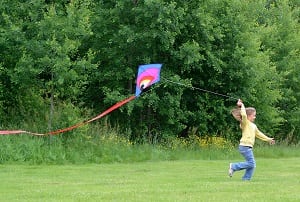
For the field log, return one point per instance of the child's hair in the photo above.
(236, 112)
(250, 110)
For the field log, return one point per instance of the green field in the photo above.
(191, 180)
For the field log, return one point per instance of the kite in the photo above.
(148, 75)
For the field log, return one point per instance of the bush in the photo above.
(104, 145)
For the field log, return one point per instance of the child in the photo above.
(246, 116)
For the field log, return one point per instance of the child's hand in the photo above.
(239, 103)
(272, 141)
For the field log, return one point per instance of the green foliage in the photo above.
(281, 39)
(104, 145)
(49, 64)
(56, 55)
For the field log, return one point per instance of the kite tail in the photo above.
(13, 132)
(112, 108)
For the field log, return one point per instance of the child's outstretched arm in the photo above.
(263, 137)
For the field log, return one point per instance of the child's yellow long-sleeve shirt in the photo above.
(250, 131)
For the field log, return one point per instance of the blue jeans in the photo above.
(249, 164)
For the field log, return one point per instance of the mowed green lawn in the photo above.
(193, 180)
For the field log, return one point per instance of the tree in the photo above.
(47, 62)
(281, 40)
(209, 45)
(84, 55)
(128, 34)
(219, 50)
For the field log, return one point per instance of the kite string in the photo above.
(200, 89)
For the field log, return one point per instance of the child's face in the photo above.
(252, 117)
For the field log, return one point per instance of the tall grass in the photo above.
(98, 143)
(94, 144)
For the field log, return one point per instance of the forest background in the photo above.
(62, 62)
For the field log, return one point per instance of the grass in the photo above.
(275, 179)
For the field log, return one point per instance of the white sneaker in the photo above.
(230, 171)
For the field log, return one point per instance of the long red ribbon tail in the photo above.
(112, 108)
(13, 132)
